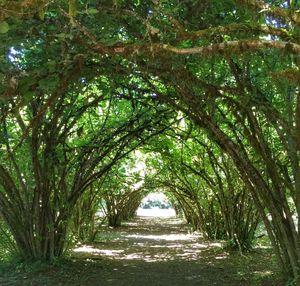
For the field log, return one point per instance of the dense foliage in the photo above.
(84, 83)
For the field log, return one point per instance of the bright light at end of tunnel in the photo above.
(156, 205)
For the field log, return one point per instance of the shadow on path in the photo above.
(151, 251)
(160, 251)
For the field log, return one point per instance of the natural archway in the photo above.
(85, 83)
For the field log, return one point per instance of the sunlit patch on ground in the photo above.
(152, 239)
(135, 254)
(221, 256)
(93, 250)
(166, 246)
(263, 273)
(156, 212)
(166, 237)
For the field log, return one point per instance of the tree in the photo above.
(56, 145)
(206, 185)
(122, 191)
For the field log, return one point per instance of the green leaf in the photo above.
(92, 11)
(72, 8)
(4, 27)
(51, 66)
(28, 96)
(49, 83)
(2, 78)
(61, 35)
(41, 12)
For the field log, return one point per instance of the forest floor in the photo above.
(152, 251)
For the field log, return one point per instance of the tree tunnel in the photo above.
(213, 200)
(206, 91)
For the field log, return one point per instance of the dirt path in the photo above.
(160, 251)
(153, 251)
